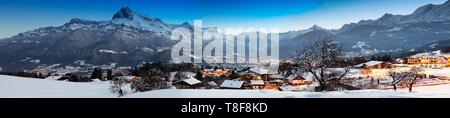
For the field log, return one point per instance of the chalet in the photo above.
(295, 80)
(257, 84)
(190, 83)
(367, 68)
(374, 65)
(261, 73)
(232, 84)
(276, 77)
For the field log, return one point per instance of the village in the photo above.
(372, 74)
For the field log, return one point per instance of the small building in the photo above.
(261, 73)
(232, 84)
(276, 82)
(295, 80)
(374, 65)
(190, 83)
(257, 84)
(276, 77)
(367, 68)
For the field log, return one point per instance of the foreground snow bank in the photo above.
(441, 91)
(22, 87)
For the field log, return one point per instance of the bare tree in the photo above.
(321, 60)
(396, 77)
(413, 76)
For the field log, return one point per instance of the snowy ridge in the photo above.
(436, 53)
(127, 17)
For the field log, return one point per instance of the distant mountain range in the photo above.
(130, 38)
(393, 34)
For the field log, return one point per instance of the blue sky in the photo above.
(22, 15)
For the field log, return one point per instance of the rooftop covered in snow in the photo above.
(192, 81)
(53, 77)
(369, 63)
(232, 84)
(259, 70)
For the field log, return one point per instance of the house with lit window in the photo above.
(261, 73)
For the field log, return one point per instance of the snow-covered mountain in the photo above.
(291, 42)
(394, 34)
(427, 13)
(124, 17)
(128, 39)
(131, 38)
(127, 17)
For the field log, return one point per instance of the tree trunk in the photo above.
(410, 87)
(395, 87)
(321, 86)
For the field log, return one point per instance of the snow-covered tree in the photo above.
(117, 86)
(154, 80)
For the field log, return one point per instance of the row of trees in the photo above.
(408, 78)
(25, 74)
(75, 78)
(98, 74)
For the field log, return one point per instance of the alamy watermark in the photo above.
(259, 46)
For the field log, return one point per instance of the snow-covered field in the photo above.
(13, 87)
(439, 91)
(20, 87)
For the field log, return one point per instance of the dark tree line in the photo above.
(25, 74)
(385, 58)
(408, 78)
(75, 78)
(155, 75)
(97, 74)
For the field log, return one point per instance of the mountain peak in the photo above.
(387, 15)
(185, 23)
(447, 3)
(80, 21)
(316, 27)
(124, 12)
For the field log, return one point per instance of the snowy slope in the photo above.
(21, 87)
